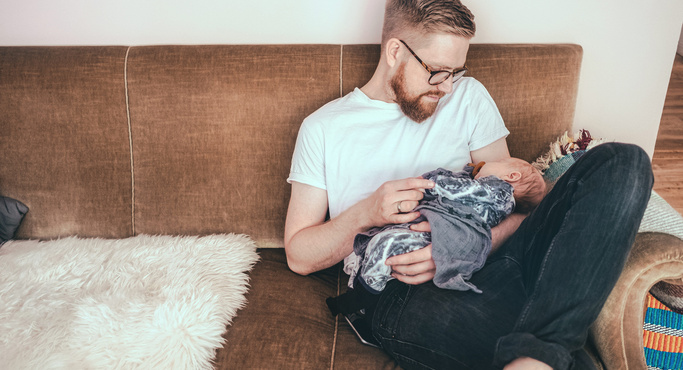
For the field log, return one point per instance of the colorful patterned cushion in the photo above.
(662, 336)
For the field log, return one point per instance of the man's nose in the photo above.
(446, 86)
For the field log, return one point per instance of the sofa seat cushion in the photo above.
(286, 323)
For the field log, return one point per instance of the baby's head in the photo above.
(529, 186)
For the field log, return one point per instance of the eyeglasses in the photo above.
(438, 77)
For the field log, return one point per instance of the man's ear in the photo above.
(513, 176)
(392, 51)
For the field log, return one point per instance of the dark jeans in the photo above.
(542, 289)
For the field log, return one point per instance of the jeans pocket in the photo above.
(390, 307)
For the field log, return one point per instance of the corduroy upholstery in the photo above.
(64, 140)
(118, 141)
(228, 115)
(212, 128)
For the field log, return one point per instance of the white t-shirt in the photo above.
(352, 145)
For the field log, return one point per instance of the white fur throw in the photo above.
(147, 302)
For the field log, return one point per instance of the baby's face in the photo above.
(497, 169)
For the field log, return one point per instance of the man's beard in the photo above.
(412, 106)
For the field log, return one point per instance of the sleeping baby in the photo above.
(461, 210)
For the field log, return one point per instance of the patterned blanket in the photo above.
(662, 336)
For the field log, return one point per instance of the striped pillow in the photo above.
(662, 336)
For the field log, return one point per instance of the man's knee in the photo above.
(627, 175)
(628, 151)
(636, 164)
(629, 162)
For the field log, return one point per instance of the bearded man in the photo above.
(359, 158)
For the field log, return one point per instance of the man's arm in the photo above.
(501, 232)
(312, 244)
(493, 152)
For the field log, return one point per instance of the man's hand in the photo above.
(414, 267)
(393, 202)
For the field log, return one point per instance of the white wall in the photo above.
(629, 45)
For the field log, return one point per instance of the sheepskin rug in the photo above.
(146, 302)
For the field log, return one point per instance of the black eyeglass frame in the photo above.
(457, 74)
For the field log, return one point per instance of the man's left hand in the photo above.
(414, 267)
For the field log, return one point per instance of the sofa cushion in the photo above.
(65, 145)
(214, 129)
(287, 324)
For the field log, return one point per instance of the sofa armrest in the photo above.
(618, 331)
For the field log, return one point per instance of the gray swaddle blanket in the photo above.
(460, 211)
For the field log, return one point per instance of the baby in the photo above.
(461, 210)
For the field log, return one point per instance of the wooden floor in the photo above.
(667, 161)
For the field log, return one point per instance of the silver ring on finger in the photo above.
(398, 206)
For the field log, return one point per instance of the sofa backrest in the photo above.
(117, 141)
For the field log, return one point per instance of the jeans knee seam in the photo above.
(422, 348)
(412, 360)
(570, 182)
(525, 312)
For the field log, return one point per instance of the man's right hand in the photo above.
(394, 201)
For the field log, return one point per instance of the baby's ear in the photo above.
(513, 176)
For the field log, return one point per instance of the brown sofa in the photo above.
(118, 141)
